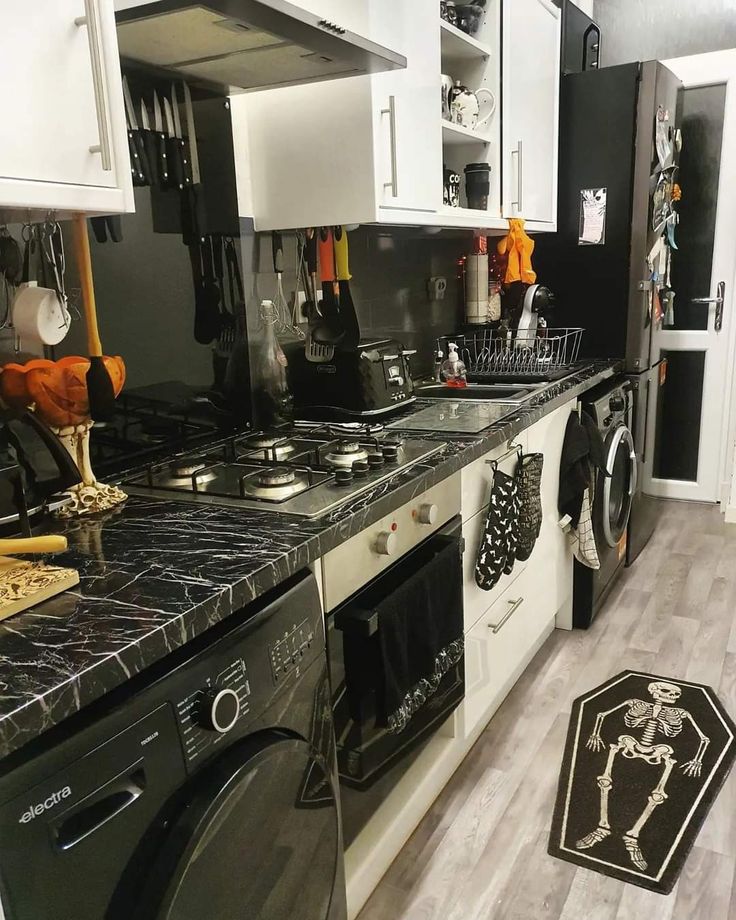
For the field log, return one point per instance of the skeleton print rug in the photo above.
(644, 759)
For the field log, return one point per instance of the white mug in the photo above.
(39, 315)
(465, 107)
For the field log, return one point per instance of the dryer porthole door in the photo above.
(259, 840)
(619, 486)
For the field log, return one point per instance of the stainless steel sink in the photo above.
(502, 392)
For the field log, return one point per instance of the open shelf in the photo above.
(457, 134)
(458, 45)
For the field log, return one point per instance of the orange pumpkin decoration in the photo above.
(57, 388)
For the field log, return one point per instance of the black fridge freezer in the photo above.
(599, 269)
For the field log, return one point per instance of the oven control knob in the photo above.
(427, 514)
(385, 544)
(218, 710)
(390, 452)
(344, 476)
(360, 468)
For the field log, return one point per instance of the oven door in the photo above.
(371, 758)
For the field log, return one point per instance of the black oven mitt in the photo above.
(529, 522)
(497, 550)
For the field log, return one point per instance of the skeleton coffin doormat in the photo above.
(644, 759)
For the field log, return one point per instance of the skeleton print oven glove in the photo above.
(529, 521)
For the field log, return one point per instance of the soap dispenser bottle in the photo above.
(453, 369)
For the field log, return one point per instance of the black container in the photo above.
(478, 185)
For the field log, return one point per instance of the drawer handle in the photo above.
(509, 613)
(91, 20)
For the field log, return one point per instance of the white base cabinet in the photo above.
(65, 145)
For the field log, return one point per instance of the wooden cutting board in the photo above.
(24, 584)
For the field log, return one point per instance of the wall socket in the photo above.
(437, 287)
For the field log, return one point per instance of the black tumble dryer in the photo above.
(205, 789)
(610, 407)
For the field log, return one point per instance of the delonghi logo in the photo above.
(40, 807)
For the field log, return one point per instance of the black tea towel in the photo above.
(529, 522)
(582, 453)
(419, 608)
(497, 550)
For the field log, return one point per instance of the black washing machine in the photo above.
(610, 406)
(205, 789)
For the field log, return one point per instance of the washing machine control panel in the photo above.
(287, 653)
(207, 715)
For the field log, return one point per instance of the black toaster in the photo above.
(372, 380)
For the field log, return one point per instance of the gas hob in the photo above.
(306, 472)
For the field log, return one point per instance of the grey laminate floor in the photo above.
(481, 852)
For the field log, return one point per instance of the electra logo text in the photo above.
(40, 807)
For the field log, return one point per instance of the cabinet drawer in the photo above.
(476, 600)
(501, 644)
(478, 476)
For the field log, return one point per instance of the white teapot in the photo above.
(465, 106)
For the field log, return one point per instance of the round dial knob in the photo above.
(427, 514)
(385, 544)
(617, 403)
(344, 476)
(375, 460)
(390, 452)
(218, 710)
(360, 468)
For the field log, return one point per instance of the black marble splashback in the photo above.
(155, 574)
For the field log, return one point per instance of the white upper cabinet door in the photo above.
(406, 104)
(531, 81)
(64, 127)
(364, 149)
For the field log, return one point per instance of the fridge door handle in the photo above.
(718, 300)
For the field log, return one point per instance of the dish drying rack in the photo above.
(533, 356)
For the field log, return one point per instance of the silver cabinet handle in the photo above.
(519, 175)
(718, 300)
(509, 613)
(391, 112)
(92, 21)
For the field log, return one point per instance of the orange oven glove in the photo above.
(519, 247)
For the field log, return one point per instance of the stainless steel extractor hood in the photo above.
(240, 45)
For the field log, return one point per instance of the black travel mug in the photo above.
(478, 185)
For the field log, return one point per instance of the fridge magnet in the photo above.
(592, 230)
(663, 137)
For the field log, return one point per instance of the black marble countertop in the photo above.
(154, 574)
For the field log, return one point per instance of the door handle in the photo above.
(718, 300)
(391, 112)
(92, 21)
(519, 175)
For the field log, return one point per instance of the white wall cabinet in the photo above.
(531, 81)
(371, 149)
(355, 150)
(64, 145)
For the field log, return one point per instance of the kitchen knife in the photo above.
(174, 151)
(191, 134)
(194, 209)
(150, 142)
(186, 156)
(138, 159)
(348, 315)
(162, 160)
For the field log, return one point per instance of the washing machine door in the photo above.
(619, 487)
(258, 840)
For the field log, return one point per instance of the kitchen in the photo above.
(351, 510)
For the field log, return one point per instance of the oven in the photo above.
(403, 559)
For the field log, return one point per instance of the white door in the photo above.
(406, 111)
(53, 109)
(689, 415)
(531, 92)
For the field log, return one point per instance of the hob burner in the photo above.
(276, 476)
(269, 446)
(345, 453)
(184, 469)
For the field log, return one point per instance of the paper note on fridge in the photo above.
(592, 217)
